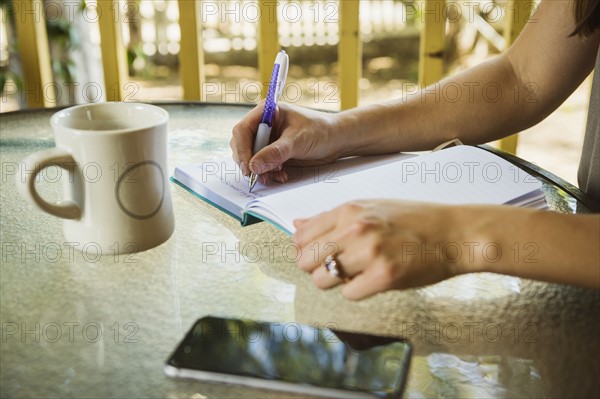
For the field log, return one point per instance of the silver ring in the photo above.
(331, 265)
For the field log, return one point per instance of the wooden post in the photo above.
(349, 53)
(114, 56)
(191, 55)
(268, 41)
(431, 46)
(30, 23)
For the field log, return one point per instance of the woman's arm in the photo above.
(502, 96)
(538, 245)
(383, 245)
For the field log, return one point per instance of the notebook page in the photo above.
(457, 175)
(221, 181)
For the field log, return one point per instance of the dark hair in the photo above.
(587, 17)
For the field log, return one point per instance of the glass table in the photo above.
(81, 325)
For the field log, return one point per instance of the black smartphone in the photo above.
(292, 357)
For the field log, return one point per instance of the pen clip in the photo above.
(282, 76)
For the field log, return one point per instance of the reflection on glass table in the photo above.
(292, 357)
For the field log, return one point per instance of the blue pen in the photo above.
(278, 77)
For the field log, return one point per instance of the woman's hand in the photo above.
(389, 244)
(299, 136)
(380, 245)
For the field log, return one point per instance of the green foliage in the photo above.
(5, 75)
(134, 51)
(62, 36)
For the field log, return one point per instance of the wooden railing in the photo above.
(35, 56)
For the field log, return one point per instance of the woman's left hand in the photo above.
(379, 245)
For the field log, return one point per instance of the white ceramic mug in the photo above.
(117, 195)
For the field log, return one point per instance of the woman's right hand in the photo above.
(300, 136)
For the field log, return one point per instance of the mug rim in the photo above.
(164, 117)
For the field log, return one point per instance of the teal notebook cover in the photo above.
(248, 217)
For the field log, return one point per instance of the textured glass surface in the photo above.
(87, 326)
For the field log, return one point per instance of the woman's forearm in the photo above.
(532, 244)
(497, 98)
(482, 104)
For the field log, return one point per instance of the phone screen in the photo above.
(297, 354)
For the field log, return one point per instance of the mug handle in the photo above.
(36, 162)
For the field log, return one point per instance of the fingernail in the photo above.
(298, 222)
(281, 177)
(244, 168)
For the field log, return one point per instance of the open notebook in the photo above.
(457, 175)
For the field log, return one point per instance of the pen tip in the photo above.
(251, 182)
